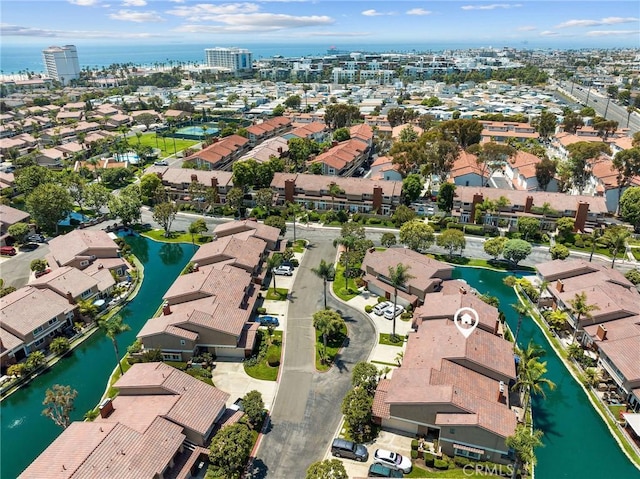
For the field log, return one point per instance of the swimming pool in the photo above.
(75, 216)
(197, 131)
(130, 156)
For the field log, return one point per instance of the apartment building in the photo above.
(61, 63)
(234, 60)
(221, 154)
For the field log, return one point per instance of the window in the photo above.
(39, 342)
(86, 294)
(52, 321)
(452, 430)
(469, 454)
(182, 342)
(37, 330)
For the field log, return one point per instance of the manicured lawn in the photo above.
(338, 285)
(262, 370)
(165, 144)
(385, 363)
(279, 294)
(175, 237)
(298, 246)
(636, 253)
(334, 344)
(482, 263)
(615, 410)
(386, 339)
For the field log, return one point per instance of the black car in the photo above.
(380, 470)
(349, 449)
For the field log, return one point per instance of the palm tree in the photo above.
(334, 190)
(112, 327)
(273, 262)
(579, 309)
(531, 374)
(294, 209)
(327, 272)
(616, 237)
(348, 242)
(542, 287)
(557, 319)
(327, 322)
(398, 278)
(87, 309)
(522, 311)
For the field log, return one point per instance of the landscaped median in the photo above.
(266, 364)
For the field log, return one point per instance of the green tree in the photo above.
(327, 469)
(356, 407)
(30, 177)
(451, 240)
(524, 442)
(197, 227)
(230, 449)
(253, 406)
(326, 272)
(59, 345)
(441, 156)
(580, 308)
(365, 375)
(235, 198)
(546, 124)
(491, 156)
(559, 251)
(112, 327)
(334, 190)
(630, 206)
(38, 265)
(164, 214)
(59, 402)
(545, 171)
(388, 240)
(272, 263)
(348, 242)
(126, 205)
(464, 132)
(582, 155)
(48, 204)
(87, 309)
(412, 187)
(327, 323)
(531, 373)
(515, 250)
(446, 195)
(528, 226)
(557, 320)
(398, 278)
(341, 115)
(264, 198)
(633, 275)
(293, 211)
(615, 237)
(494, 246)
(293, 102)
(96, 196)
(402, 214)
(341, 134)
(149, 185)
(276, 222)
(19, 232)
(244, 173)
(416, 235)
(565, 226)
(627, 163)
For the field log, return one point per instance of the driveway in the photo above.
(307, 410)
(16, 269)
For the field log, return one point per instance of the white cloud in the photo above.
(527, 28)
(18, 31)
(254, 22)
(605, 33)
(137, 17)
(375, 13)
(492, 6)
(593, 23)
(419, 11)
(84, 3)
(549, 33)
(134, 3)
(202, 9)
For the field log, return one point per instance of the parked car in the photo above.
(283, 271)
(161, 163)
(393, 460)
(8, 251)
(380, 308)
(389, 314)
(268, 321)
(43, 272)
(380, 470)
(349, 449)
(29, 247)
(36, 238)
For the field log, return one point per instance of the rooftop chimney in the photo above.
(70, 298)
(194, 177)
(106, 408)
(601, 333)
(166, 309)
(560, 286)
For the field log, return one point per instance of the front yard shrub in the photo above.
(368, 308)
(429, 459)
(273, 359)
(261, 310)
(414, 444)
(381, 299)
(414, 454)
(441, 464)
(474, 230)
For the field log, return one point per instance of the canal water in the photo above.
(25, 432)
(577, 443)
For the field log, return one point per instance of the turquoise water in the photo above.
(578, 444)
(197, 131)
(131, 156)
(24, 432)
(74, 215)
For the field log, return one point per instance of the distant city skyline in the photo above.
(544, 23)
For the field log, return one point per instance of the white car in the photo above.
(392, 460)
(161, 163)
(283, 271)
(380, 308)
(389, 314)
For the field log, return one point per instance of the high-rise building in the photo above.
(61, 63)
(233, 59)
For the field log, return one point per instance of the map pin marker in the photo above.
(466, 320)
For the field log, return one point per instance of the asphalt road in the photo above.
(15, 270)
(307, 409)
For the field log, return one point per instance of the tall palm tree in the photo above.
(531, 374)
(398, 278)
(112, 327)
(522, 311)
(581, 309)
(348, 242)
(616, 238)
(273, 262)
(327, 272)
(334, 190)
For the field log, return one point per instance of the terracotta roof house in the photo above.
(207, 310)
(247, 228)
(344, 158)
(8, 217)
(221, 154)
(273, 147)
(466, 172)
(316, 131)
(361, 195)
(81, 248)
(588, 211)
(243, 253)
(453, 387)
(268, 129)
(501, 131)
(177, 181)
(428, 274)
(384, 169)
(604, 182)
(521, 170)
(75, 284)
(29, 319)
(156, 427)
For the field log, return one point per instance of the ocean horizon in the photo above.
(16, 58)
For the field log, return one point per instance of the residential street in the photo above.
(307, 410)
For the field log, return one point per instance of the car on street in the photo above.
(36, 238)
(349, 449)
(380, 308)
(393, 460)
(8, 251)
(161, 163)
(389, 314)
(283, 271)
(269, 321)
(29, 247)
(379, 470)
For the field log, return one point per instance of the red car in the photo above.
(43, 272)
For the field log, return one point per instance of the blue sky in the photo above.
(327, 22)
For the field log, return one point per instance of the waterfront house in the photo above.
(247, 228)
(452, 388)
(156, 427)
(29, 319)
(244, 253)
(75, 284)
(428, 274)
